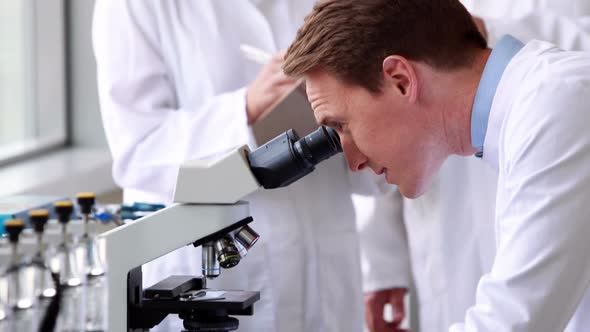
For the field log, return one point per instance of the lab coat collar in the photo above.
(501, 55)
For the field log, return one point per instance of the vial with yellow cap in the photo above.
(72, 314)
(44, 287)
(66, 260)
(20, 295)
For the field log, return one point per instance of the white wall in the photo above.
(86, 122)
(12, 72)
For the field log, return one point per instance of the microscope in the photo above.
(206, 212)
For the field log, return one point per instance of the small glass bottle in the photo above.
(67, 264)
(20, 279)
(96, 304)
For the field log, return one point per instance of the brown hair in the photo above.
(351, 38)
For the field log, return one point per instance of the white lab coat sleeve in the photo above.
(385, 258)
(569, 33)
(541, 271)
(148, 133)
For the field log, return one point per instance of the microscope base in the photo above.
(209, 324)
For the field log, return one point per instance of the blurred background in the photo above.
(49, 112)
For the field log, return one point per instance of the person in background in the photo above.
(452, 247)
(174, 86)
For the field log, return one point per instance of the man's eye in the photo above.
(336, 125)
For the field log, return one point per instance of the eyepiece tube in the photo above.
(319, 145)
(287, 158)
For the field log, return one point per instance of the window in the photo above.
(32, 77)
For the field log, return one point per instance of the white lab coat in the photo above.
(450, 240)
(172, 87)
(450, 229)
(537, 140)
(566, 23)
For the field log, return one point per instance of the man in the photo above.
(399, 80)
(452, 247)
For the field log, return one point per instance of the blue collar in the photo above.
(501, 55)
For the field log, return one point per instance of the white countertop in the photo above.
(64, 172)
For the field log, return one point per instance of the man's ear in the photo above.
(399, 73)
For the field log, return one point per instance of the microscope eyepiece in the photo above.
(319, 145)
(287, 158)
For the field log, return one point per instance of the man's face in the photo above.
(387, 132)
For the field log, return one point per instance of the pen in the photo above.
(255, 54)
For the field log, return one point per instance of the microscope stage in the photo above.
(236, 302)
